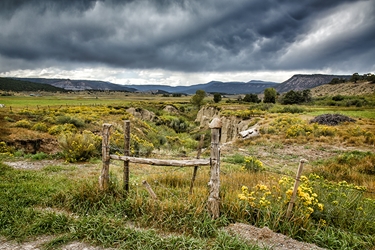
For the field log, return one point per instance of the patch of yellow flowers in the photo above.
(253, 164)
(278, 196)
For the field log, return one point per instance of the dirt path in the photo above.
(38, 245)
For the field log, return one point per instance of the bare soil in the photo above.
(264, 237)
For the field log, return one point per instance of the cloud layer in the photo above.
(188, 36)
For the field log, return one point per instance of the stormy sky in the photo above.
(183, 42)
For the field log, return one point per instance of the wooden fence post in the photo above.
(296, 184)
(149, 189)
(214, 184)
(104, 176)
(126, 153)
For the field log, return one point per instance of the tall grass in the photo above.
(47, 202)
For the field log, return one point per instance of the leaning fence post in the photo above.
(104, 176)
(214, 184)
(126, 153)
(296, 184)
(149, 189)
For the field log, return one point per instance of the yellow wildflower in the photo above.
(320, 206)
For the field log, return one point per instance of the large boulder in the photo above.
(170, 109)
(142, 114)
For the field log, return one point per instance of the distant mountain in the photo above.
(76, 85)
(254, 86)
(301, 82)
(296, 82)
(8, 84)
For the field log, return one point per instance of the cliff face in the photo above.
(301, 82)
(231, 126)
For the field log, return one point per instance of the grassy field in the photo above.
(77, 98)
(352, 112)
(60, 196)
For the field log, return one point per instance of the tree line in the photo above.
(369, 77)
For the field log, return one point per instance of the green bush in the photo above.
(79, 123)
(235, 159)
(178, 124)
(293, 109)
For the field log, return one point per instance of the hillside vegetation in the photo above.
(8, 84)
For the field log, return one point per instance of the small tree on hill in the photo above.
(270, 95)
(355, 77)
(296, 97)
(217, 97)
(251, 98)
(197, 99)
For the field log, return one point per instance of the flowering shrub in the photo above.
(40, 126)
(140, 147)
(58, 129)
(318, 202)
(23, 124)
(294, 127)
(79, 146)
(253, 164)
(276, 199)
(6, 150)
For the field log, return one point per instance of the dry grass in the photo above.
(349, 89)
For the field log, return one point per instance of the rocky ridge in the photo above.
(300, 82)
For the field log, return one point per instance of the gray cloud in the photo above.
(189, 36)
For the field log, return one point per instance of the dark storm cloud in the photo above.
(212, 35)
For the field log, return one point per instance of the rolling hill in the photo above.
(8, 84)
(76, 85)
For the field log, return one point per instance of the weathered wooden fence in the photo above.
(213, 202)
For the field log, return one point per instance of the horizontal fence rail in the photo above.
(159, 162)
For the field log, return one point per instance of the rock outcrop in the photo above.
(170, 109)
(231, 125)
(142, 114)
